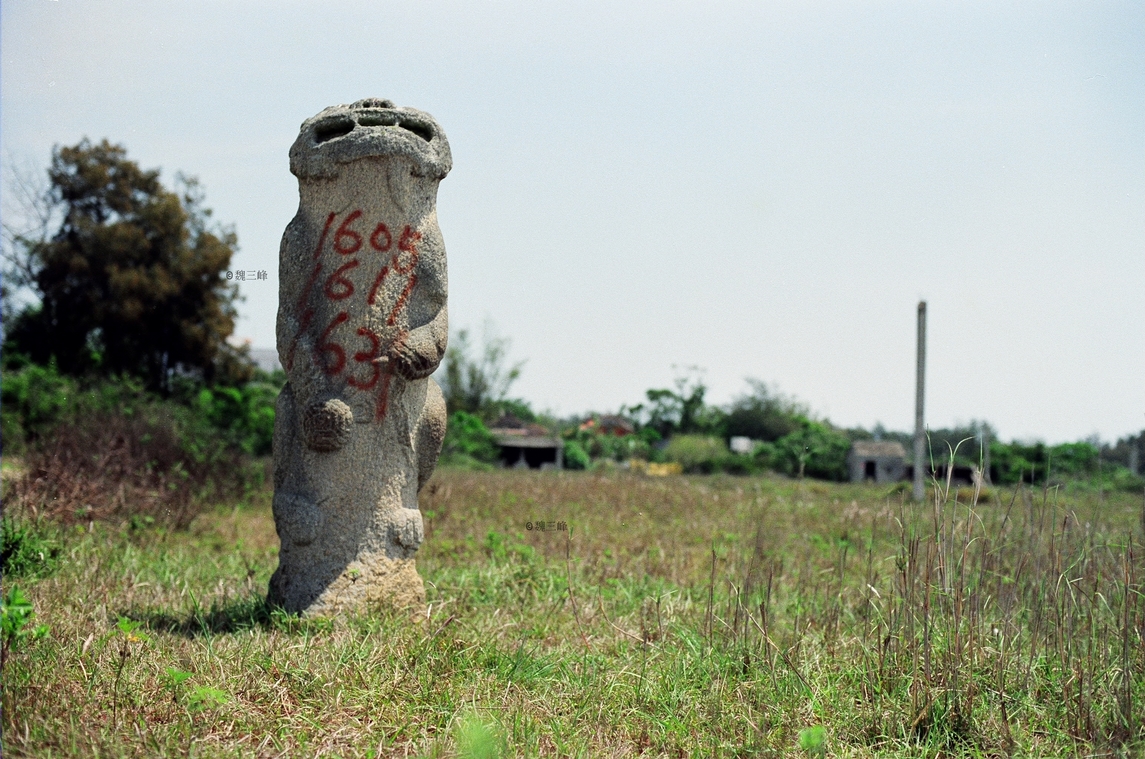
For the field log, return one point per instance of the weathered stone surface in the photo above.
(361, 326)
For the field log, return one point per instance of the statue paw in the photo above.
(326, 426)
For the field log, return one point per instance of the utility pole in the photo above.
(919, 424)
(986, 454)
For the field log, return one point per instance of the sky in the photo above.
(758, 189)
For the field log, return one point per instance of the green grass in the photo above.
(684, 616)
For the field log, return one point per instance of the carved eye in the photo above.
(333, 129)
(421, 130)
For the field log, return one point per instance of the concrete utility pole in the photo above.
(986, 454)
(919, 428)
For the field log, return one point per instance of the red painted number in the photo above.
(328, 348)
(362, 357)
(346, 240)
(376, 239)
(337, 286)
(407, 244)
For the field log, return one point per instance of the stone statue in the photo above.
(361, 326)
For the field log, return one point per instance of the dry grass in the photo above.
(679, 617)
(114, 466)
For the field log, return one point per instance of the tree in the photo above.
(814, 449)
(479, 385)
(763, 415)
(132, 281)
(681, 410)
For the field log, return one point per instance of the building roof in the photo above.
(874, 449)
(522, 441)
(511, 431)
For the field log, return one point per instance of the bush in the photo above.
(245, 414)
(765, 456)
(575, 456)
(149, 463)
(27, 549)
(34, 399)
(468, 442)
(736, 463)
(609, 447)
(762, 414)
(1080, 464)
(815, 450)
(696, 453)
(117, 451)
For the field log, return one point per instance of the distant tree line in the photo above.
(677, 424)
(127, 287)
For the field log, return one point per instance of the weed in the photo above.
(477, 739)
(813, 740)
(16, 613)
(27, 549)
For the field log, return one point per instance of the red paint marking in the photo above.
(383, 398)
(407, 244)
(367, 358)
(402, 300)
(307, 315)
(345, 231)
(381, 229)
(328, 353)
(377, 284)
(325, 345)
(304, 297)
(322, 237)
(346, 287)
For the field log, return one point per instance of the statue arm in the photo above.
(419, 353)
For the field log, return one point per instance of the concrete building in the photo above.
(527, 445)
(876, 461)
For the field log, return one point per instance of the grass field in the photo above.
(681, 616)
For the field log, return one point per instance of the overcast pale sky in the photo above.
(759, 189)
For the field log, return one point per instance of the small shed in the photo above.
(877, 461)
(527, 445)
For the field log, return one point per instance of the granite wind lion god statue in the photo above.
(361, 326)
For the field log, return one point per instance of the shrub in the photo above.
(27, 549)
(762, 414)
(815, 450)
(468, 442)
(121, 453)
(735, 463)
(34, 399)
(765, 455)
(245, 414)
(696, 453)
(575, 456)
(16, 613)
(609, 447)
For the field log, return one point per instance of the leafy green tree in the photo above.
(132, 281)
(479, 384)
(682, 410)
(815, 450)
(761, 414)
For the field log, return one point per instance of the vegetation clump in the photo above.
(121, 396)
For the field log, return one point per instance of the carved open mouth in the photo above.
(340, 126)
